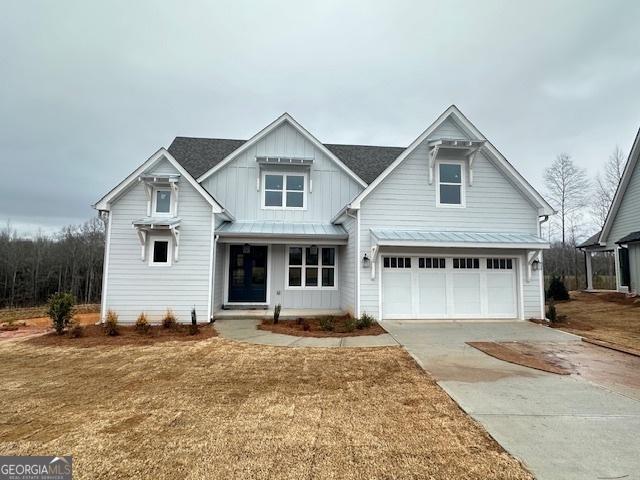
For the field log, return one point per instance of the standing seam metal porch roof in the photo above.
(282, 229)
(448, 238)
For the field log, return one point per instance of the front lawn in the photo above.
(220, 409)
(608, 317)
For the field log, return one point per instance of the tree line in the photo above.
(32, 269)
(582, 204)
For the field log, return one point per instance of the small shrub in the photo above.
(111, 324)
(60, 310)
(75, 330)
(365, 321)
(327, 323)
(299, 321)
(276, 313)
(305, 325)
(557, 290)
(142, 324)
(194, 329)
(349, 324)
(169, 320)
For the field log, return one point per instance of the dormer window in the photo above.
(162, 201)
(284, 190)
(450, 184)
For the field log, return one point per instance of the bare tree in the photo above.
(606, 183)
(567, 188)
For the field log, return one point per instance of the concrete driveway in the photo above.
(561, 427)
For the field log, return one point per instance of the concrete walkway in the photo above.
(246, 331)
(561, 427)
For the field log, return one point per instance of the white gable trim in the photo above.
(105, 202)
(632, 161)
(285, 117)
(457, 116)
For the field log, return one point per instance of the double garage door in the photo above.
(449, 287)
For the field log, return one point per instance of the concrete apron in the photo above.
(561, 427)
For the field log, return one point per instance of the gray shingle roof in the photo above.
(198, 155)
(632, 237)
(591, 241)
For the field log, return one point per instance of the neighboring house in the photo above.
(621, 231)
(445, 228)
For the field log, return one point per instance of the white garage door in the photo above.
(449, 287)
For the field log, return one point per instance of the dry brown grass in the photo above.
(13, 314)
(608, 317)
(219, 409)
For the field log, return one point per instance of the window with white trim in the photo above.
(160, 252)
(450, 185)
(162, 201)
(397, 262)
(284, 190)
(431, 262)
(468, 263)
(499, 263)
(311, 267)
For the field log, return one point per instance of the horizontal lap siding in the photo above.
(627, 219)
(405, 199)
(235, 185)
(133, 285)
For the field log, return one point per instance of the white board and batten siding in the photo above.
(235, 185)
(347, 268)
(627, 218)
(406, 200)
(134, 286)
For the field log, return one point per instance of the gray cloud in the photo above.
(89, 90)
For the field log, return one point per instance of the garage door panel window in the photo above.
(397, 262)
(466, 263)
(499, 263)
(431, 262)
(311, 267)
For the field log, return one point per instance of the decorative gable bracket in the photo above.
(469, 148)
(146, 225)
(532, 256)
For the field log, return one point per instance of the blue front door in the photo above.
(247, 274)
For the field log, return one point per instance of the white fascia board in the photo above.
(427, 244)
(162, 153)
(285, 117)
(458, 117)
(632, 161)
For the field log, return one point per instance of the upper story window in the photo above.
(162, 201)
(284, 190)
(450, 184)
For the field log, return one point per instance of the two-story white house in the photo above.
(445, 228)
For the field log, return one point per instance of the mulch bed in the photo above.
(294, 327)
(519, 354)
(94, 336)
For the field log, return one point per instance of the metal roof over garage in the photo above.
(428, 238)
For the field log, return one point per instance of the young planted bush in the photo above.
(60, 310)
(349, 324)
(552, 315)
(327, 323)
(75, 330)
(276, 313)
(557, 290)
(193, 328)
(365, 321)
(142, 323)
(169, 320)
(111, 324)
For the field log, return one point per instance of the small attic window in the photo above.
(162, 201)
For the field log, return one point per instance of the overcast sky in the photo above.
(89, 90)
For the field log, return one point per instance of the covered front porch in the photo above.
(601, 265)
(264, 264)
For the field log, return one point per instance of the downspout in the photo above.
(357, 261)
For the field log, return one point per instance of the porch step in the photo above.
(244, 307)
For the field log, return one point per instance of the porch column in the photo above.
(587, 261)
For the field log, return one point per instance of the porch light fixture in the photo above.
(535, 266)
(246, 248)
(366, 262)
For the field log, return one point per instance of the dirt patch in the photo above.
(13, 314)
(609, 317)
(94, 336)
(222, 409)
(519, 354)
(295, 327)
